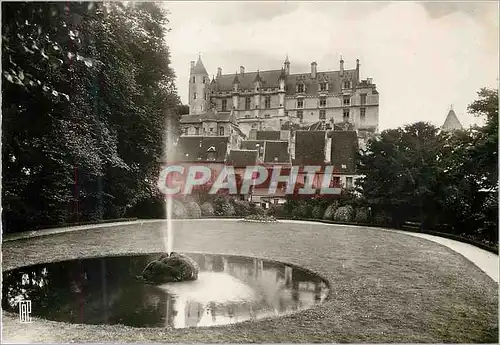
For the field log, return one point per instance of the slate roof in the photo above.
(268, 135)
(251, 144)
(197, 147)
(309, 147)
(242, 158)
(270, 79)
(344, 151)
(452, 122)
(208, 116)
(276, 152)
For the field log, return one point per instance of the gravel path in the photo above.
(386, 286)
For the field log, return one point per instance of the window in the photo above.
(194, 79)
(336, 181)
(300, 103)
(300, 114)
(194, 95)
(286, 113)
(363, 98)
(300, 88)
(221, 131)
(322, 114)
(267, 102)
(211, 129)
(348, 181)
(205, 97)
(362, 114)
(347, 84)
(247, 103)
(346, 115)
(347, 100)
(267, 116)
(247, 116)
(323, 86)
(204, 80)
(224, 104)
(197, 130)
(322, 101)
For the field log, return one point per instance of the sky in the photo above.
(423, 57)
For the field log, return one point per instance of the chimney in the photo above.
(313, 70)
(369, 80)
(192, 64)
(357, 70)
(341, 67)
(242, 70)
(219, 72)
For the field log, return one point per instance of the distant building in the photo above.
(451, 123)
(265, 100)
(279, 117)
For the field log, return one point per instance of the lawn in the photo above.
(385, 287)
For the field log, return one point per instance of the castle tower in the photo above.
(198, 88)
(451, 123)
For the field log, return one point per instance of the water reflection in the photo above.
(105, 291)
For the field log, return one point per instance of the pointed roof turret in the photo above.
(286, 60)
(199, 68)
(452, 123)
(236, 80)
(257, 77)
(282, 74)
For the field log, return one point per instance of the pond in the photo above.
(229, 289)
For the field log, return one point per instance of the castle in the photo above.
(277, 116)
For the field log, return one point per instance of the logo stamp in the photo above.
(25, 311)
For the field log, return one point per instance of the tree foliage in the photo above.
(86, 91)
(444, 180)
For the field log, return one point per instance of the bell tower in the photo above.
(198, 88)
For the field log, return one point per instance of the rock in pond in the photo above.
(170, 268)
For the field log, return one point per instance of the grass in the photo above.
(385, 287)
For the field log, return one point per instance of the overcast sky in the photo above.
(422, 56)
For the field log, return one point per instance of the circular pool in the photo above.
(105, 290)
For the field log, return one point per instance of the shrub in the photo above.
(258, 210)
(330, 211)
(193, 210)
(276, 211)
(303, 210)
(344, 214)
(224, 207)
(207, 209)
(317, 212)
(242, 208)
(382, 218)
(362, 215)
(178, 210)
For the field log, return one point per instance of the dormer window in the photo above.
(300, 88)
(347, 84)
(323, 87)
(221, 131)
(300, 103)
(194, 95)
